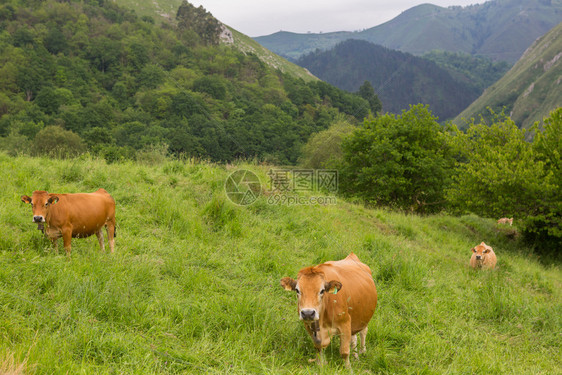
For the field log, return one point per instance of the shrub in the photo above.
(493, 178)
(54, 141)
(399, 161)
(543, 225)
(323, 149)
(15, 144)
(502, 174)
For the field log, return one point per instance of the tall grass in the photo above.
(193, 285)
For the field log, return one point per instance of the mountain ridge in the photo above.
(399, 78)
(498, 29)
(530, 90)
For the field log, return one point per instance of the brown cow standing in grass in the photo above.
(337, 297)
(483, 256)
(74, 215)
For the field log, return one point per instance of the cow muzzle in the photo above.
(479, 257)
(38, 219)
(308, 314)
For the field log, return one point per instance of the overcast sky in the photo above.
(264, 17)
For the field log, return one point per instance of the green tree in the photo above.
(367, 92)
(501, 174)
(323, 149)
(544, 224)
(54, 141)
(402, 161)
(211, 85)
(199, 21)
(494, 178)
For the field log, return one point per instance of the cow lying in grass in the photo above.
(483, 256)
(335, 298)
(505, 220)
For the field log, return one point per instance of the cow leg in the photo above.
(99, 234)
(320, 360)
(55, 244)
(345, 341)
(66, 239)
(354, 346)
(362, 336)
(111, 235)
(321, 339)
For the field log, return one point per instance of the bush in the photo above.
(54, 141)
(323, 150)
(493, 178)
(501, 174)
(400, 161)
(543, 226)
(15, 144)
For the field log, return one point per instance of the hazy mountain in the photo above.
(399, 78)
(498, 29)
(531, 89)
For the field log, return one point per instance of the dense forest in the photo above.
(97, 77)
(477, 71)
(401, 79)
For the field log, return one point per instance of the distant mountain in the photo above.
(499, 29)
(531, 89)
(399, 78)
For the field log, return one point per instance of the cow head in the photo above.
(40, 202)
(480, 251)
(311, 287)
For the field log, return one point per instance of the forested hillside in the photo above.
(401, 79)
(498, 29)
(530, 90)
(97, 77)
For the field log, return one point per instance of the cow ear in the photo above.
(52, 200)
(25, 199)
(333, 286)
(288, 284)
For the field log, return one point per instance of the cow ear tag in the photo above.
(335, 290)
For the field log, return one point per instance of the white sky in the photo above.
(264, 17)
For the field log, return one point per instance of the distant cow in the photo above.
(483, 256)
(337, 297)
(74, 215)
(505, 220)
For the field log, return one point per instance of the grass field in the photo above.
(193, 286)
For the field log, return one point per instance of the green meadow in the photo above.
(193, 285)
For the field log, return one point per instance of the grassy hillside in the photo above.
(193, 286)
(500, 30)
(531, 89)
(249, 46)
